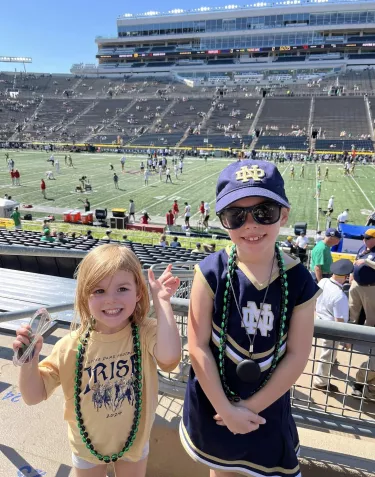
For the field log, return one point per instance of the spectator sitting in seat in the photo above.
(107, 235)
(46, 225)
(61, 238)
(197, 249)
(46, 237)
(163, 241)
(209, 248)
(89, 235)
(175, 243)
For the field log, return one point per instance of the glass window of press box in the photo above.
(250, 23)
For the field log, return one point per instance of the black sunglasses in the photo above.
(266, 213)
(367, 237)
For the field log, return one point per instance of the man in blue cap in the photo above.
(332, 305)
(362, 295)
(321, 258)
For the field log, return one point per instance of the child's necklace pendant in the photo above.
(248, 371)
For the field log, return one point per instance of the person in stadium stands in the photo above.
(332, 305)
(123, 339)
(197, 249)
(61, 238)
(175, 243)
(131, 210)
(163, 241)
(361, 295)
(321, 257)
(16, 216)
(209, 248)
(46, 237)
(43, 188)
(169, 217)
(343, 218)
(145, 218)
(89, 235)
(371, 219)
(247, 396)
(107, 235)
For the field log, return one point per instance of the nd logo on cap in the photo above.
(246, 173)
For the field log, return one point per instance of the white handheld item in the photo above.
(39, 324)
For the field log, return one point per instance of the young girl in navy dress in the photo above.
(250, 331)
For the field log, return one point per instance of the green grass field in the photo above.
(195, 184)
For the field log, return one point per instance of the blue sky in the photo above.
(58, 34)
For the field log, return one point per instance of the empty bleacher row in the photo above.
(293, 143)
(148, 255)
(340, 145)
(284, 116)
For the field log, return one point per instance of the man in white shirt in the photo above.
(302, 241)
(330, 204)
(187, 214)
(332, 305)
(343, 218)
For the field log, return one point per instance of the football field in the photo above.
(196, 183)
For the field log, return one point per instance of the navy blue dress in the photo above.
(272, 449)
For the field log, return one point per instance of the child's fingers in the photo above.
(151, 276)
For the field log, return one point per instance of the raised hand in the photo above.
(165, 286)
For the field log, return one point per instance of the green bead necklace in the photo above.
(231, 395)
(137, 391)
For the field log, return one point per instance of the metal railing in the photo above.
(334, 411)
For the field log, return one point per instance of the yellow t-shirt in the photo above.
(107, 397)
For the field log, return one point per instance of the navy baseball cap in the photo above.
(342, 267)
(331, 232)
(250, 179)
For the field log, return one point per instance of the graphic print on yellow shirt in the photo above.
(107, 391)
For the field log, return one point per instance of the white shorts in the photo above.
(79, 463)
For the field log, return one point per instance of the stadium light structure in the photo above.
(14, 92)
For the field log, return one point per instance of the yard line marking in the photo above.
(317, 197)
(158, 182)
(365, 196)
(171, 197)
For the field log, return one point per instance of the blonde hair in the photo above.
(101, 262)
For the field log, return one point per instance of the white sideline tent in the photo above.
(7, 207)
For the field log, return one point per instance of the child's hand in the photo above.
(23, 339)
(240, 420)
(165, 286)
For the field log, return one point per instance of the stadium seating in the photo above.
(338, 145)
(296, 143)
(283, 59)
(284, 116)
(235, 115)
(65, 267)
(157, 140)
(216, 141)
(336, 116)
